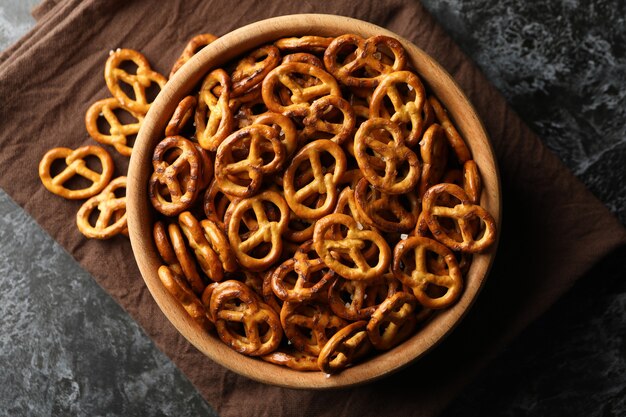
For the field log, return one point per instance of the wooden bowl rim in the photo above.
(139, 210)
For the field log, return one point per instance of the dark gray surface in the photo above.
(562, 66)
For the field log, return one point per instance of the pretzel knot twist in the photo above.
(180, 177)
(463, 214)
(140, 81)
(252, 69)
(393, 321)
(344, 254)
(110, 208)
(432, 289)
(119, 133)
(345, 347)
(234, 302)
(323, 185)
(316, 124)
(261, 233)
(401, 171)
(364, 296)
(76, 166)
(230, 169)
(213, 118)
(383, 211)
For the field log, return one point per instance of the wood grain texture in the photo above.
(140, 212)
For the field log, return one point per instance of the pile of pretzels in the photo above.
(314, 203)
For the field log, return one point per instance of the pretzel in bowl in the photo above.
(358, 299)
(213, 117)
(346, 347)
(109, 206)
(393, 321)
(76, 165)
(194, 45)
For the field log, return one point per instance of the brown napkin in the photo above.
(553, 230)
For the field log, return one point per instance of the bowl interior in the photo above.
(140, 212)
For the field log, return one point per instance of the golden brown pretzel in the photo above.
(401, 166)
(357, 300)
(213, 118)
(267, 232)
(193, 46)
(472, 182)
(181, 193)
(314, 44)
(205, 255)
(185, 259)
(462, 214)
(351, 246)
(407, 96)
(301, 96)
(299, 230)
(434, 152)
(219, 242)
(393, 321)
(183, 113)
(303, 57)
(258, 141)
(252, 69)
(367, 56)
(108, 224)
(324, 183)
(216, 203)
(140, 81)
(174, 284)
(433, 289)
(119, 133)
(316, 122)
(286, 129)
(164, 247)
(318, 320)
(345, 348)
(232, 302)
(76, 165)
(454, 139)
(293, 359)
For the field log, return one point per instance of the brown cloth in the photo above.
(553, 230)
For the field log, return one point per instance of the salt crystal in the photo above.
(101, 114)
(404, 236)
(111, 52)
(365, 297)
(118, 49)
(328, 375)
(347, 305)
(359, 226)
(288, 342)
(410, 87)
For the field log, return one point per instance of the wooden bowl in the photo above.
(141, 213)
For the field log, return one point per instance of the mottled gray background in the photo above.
(67, 349)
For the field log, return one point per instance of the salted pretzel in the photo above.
(313, 44)
(250, 167)
(186, 260)
(455, 140)
(345, 348)
(433, 289)
(213, 118)
(434, 152)
(268, 232)
(180, 193)
(323, 184)
(357, 300)
(194, 45)
(108, 204)
(351, 246)
(309, 325)
(182, 115)
(205, 255)
(293, 359)
(253, 68)
(75, 159)
(140, 82)
(401, 166)
(162, 242)
(367, 55)
(462, 214)
(232, 302)
(387, 212)
(215, 203)
(219, 242)
(472, 182)
(286, 129)
(175, 285)
(302, 278)
(316, 121)
(119, 133)
(407, 96)
(300, 97)
(303, 57)
(393, 321)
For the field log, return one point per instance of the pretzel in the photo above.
(356, 300)
(205, 255)
(293, 359)
(316, 122)
(311, 279)
(213, 117)
(318, 320)
(462, 214)
(164, 247)
(258, 140)
(345, 348)
(367, 56)
(392, 151)
(181, 194)
(185, 259)
(108, 204)
(407, 96)
(323, 184)
(193, 46)
(267, 231)
(411, 266)
(314, 44)
(190, 302)
(182, 114)
(393, 321)
(351, 246)
(233, 302)
(383, 211)
(76, 165)
(251, 70)
(139, 82)
(434, 152)
(286, 129)
(303, 57)
(454, 139)
(472, 183)
(301, 97)
(119, 133)
(219, 242)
